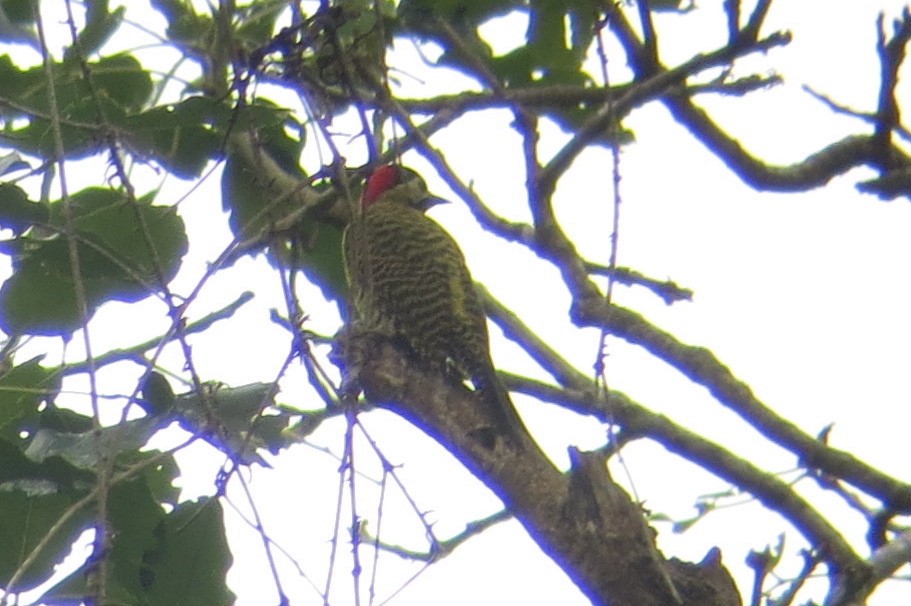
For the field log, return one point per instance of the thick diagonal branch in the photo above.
(581, 519)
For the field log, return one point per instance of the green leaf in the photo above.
(135, 516)
(551, 56)
(546, 29)
(123, 79)
(184, 25)
(245, 195)
(120, 85)
(25, 521)
(125, 251)
(422, 14)
(277, 134)
(421, 17)
(144, 243)
(16, 23)
(64, 419)
(159, 476)
(17, 212)
(33, 498)
(583, 22)
(21, 388)
(81, 449)
(100, 24)
(226, 418)
(671, 6)
(12, 162)
(320, 256)
(514, 69)
(189, 563)
(157, 396)
(557, 41)
(56, 474)
(234, 407)
(18, 11)
(257, 25)
(180, 137)
(38, 300)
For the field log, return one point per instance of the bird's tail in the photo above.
(500, 405)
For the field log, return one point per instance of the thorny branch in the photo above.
(441, 548)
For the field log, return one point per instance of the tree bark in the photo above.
(583, 520)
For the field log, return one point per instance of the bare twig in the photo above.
(135, 351)
(102, 544)
(668, 290)
(444, 547)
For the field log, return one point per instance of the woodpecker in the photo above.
(409, 279)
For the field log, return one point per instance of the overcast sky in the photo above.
(804, 296)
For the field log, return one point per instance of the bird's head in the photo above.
(399, 185)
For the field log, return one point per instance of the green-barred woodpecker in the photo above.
(409, 279)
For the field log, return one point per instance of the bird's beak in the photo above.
(431, 201)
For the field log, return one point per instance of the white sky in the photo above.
(804, 296)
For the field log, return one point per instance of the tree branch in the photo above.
(582, 520)
(636, 421)
(814, 171)
(702, 367)
(130, 353)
